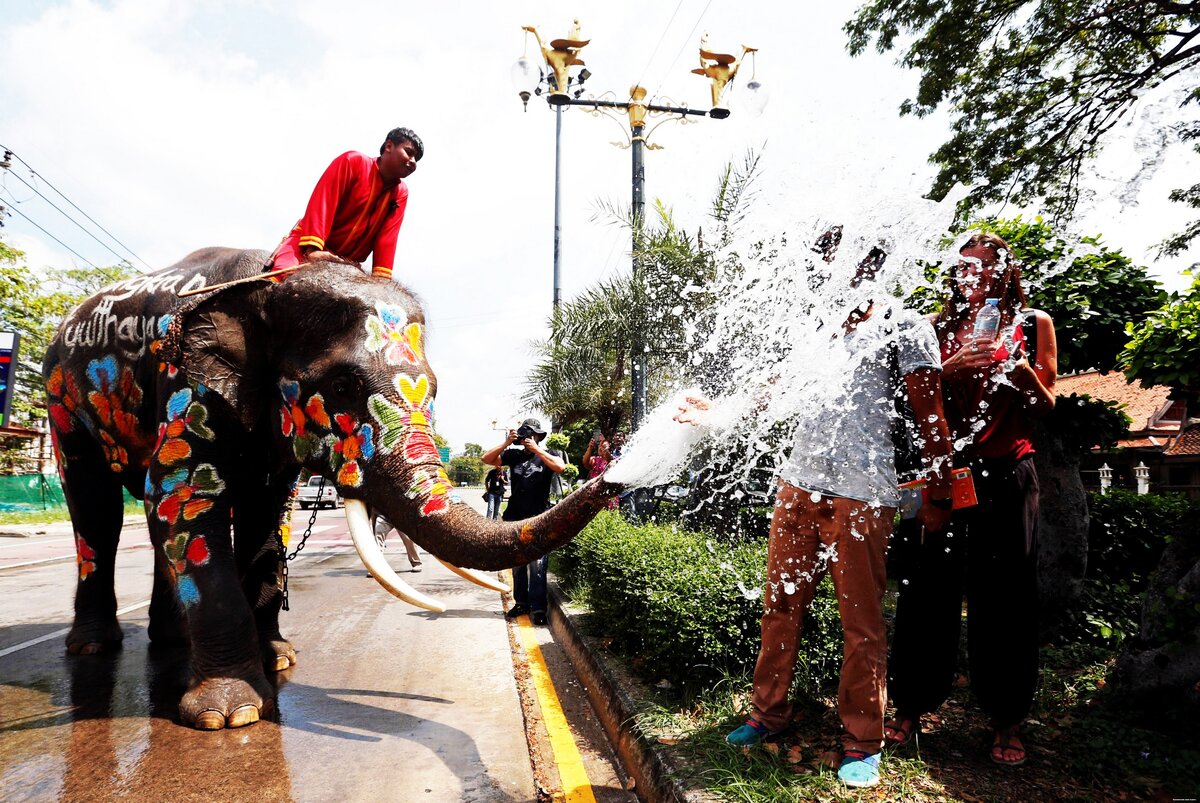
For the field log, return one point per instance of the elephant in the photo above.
(208, 408)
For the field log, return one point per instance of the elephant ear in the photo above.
(219, 341)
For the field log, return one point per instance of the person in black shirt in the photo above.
(530, 469)
(494, 486)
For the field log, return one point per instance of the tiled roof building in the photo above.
(1160, 435)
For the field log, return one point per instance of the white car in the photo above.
(307, 496)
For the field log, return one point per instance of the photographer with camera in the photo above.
(531, 470)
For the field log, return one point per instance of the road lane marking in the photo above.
(40, 539)
(576, 785)
(72, 556)
(57, 633)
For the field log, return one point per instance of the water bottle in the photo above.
(987, 321)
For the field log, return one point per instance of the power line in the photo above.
(681, 48)
(68, 217)
(72, 203)
(657, 44)
(52, 237)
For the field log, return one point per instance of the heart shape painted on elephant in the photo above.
(414, 392)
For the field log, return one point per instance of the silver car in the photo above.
(307, 496)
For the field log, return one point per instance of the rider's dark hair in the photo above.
(398, 136)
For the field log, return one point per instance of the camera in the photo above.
(525, 431)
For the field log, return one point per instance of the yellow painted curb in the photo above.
(577, 788)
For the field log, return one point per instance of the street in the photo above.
(387, 702)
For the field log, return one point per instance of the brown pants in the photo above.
(848, 539)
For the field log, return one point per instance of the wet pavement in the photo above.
(387, 702)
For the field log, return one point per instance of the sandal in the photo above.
(1008, 740)
(898, 729)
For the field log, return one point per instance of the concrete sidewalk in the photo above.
(56, 527)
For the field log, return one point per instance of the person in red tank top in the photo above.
(993, 392)
(356, 208)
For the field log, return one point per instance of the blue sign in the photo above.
(444, 453)
(10, 344)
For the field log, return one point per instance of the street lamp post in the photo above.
(559, 57)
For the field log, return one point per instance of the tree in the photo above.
(465, 468)
(1035, 86)
(1165, 348)
(33, 306)
(1092, 297)
(582, 373)
(472, 450)
(1164, 661)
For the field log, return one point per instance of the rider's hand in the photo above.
(328, 256)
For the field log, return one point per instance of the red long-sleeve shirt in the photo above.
(352, 213)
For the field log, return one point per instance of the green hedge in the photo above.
(685, 607)
(1126, 536)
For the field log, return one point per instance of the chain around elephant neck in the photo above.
(307, 532)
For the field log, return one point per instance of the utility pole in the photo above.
(559, 57)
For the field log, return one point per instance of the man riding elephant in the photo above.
(356, 208)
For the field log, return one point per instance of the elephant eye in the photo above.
(345, 385)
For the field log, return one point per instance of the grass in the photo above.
(1084, 744)
(55, 514)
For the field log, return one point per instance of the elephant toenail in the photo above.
(243, 715)
(211, 720)
(281, 663)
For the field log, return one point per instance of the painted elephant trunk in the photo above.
(465, 538)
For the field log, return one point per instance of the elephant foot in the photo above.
(166, 635)
(216, 703)
(91, 638)
(166, 628)
(277, 654)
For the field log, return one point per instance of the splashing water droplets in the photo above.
(769, 352)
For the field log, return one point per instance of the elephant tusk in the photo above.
(478, 578)
(371, 554)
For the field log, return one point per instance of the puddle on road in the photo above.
(103, 727)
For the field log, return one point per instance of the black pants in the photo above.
(989, 552)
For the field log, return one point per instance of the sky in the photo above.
(178, 124)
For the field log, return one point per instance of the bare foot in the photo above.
(1007, 748)
(897, 731)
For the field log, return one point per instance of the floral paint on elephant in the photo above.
(356, 444)
(64, 399)
(114, 398)
(185, 414)
(344, 442)
(434, 487)
(409, 428)
(85, 557)
(295, 418)
(391, 331)
(156, 347)
(184, 492)
(184, 552)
